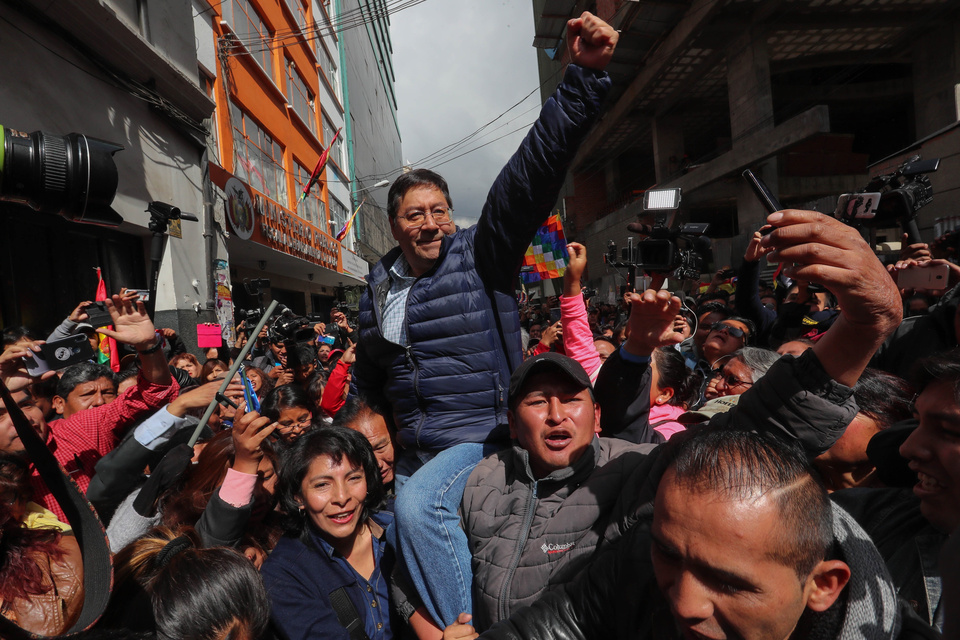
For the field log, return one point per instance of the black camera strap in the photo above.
(91, 537)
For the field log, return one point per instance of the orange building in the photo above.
(275, 81)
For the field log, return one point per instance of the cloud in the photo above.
(460, 64)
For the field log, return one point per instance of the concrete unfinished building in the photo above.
(814, 95)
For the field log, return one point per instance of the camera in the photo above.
(73, 175)
(681, 253)
(288, 326)
(891, 199)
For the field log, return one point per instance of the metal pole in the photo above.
(233, 371)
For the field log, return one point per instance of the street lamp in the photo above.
(382, 183)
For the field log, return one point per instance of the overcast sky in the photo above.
(460, 64)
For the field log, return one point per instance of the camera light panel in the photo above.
(660, 199)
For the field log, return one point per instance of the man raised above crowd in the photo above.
(439, 325)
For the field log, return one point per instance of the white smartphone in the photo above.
(924, 278)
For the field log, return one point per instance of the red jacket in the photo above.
(78, 442)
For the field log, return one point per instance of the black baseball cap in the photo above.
(543, 363)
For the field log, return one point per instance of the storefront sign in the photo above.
(354, 264)
(289, 234)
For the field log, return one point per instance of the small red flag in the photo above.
(320, 164)
(108, 346)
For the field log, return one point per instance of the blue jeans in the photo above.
(431, 543)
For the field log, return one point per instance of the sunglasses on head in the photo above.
(734, 331)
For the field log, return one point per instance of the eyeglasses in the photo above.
(729, 379)
(734, 331)
(415, 219)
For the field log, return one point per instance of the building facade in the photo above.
(223, 110)
(814, 97)
(123, 72)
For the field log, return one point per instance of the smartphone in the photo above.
(142, 294)
(924, 278)
(99, 315)
(59, 354)
(554, 316)
(766, 198)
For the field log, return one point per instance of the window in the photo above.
(336, 153)
(257, 158)
(253, 33)
(329, 68)
(338, 216)
(300, 97)
(312, 209)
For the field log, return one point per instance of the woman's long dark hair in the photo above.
(674, 374)
(338, 443)
(286, 396)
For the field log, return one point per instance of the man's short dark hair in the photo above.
(13, 335)
(713, 307)
(944, 367)
(356, 406)
(412, 180)
(80, 373)
(745, 465)
(751, 328)
(883, 397)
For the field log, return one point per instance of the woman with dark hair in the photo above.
(673, 389)
(41, 571)
(213, 369)
(332, 566)
(228, 494)
(261, 382)
(166, 582)
(291, 408)
(884, 399)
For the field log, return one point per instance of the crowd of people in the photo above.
(759, 460)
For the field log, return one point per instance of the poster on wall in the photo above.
(224, 302)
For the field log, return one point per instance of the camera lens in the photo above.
(73, 175)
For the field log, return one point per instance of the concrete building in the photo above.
(373, 130)
(806, 93)
(125, 72)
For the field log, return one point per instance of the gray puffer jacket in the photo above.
(525, 534)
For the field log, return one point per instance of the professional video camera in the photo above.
(892, 199)
(289, 326)
(73, 175)
(681, 253)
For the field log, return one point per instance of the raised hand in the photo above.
(576, 264)
(249, 431)
(591, 41)
(652, 321)
(828, 252)
(131, 324)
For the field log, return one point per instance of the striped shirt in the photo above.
(395, 306)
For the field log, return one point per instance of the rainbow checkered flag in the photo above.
(547, 254)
